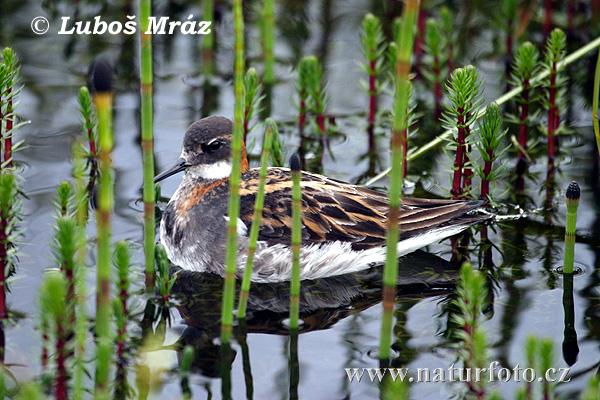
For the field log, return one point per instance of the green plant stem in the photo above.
(103, 101)
(258, 206)
(572, 196)
(595, 102)
(405, 43)
(81, 215)
(234, 182)
(500, 100)
(147, 142)
(296, 242)
(268, 41)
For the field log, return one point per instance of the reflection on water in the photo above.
(341, 315)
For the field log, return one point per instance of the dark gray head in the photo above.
(206, 150)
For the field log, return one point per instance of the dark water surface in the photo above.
(342, 316)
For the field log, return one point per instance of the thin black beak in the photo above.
(180, 166)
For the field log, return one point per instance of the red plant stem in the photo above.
(165, 296)
(405, 150)
(61, 371)
(94, 159)
(321, 125)
(485, 184)
(548, 17)
(509, 50)
(552, 115)
(550, 187)
(70, 295)
(3, 259)
(124, 296)
(486, 246)
(420, 33)
(523, 118)
(44, 351)
(302, 115)
(9, 127)
(246, 112)
(1, 133)
(437, 88)
(121, 361)
(372, 105)
(458, 161)
(91, 141)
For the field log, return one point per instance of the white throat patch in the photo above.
(216, 171)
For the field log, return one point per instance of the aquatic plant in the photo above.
(405, 41)
(303, 92)
(488, 144)
(465, 97)
(526, 65)
(509, 14)
(296, 241)
(268, 40)
(554, 54)
(318, 100)
(80, 202)
(234, 181)
(102, 81)
(63, 199)
(270, 127)
(163, 281)
(10, 198)
(442, 138)
(540, 357)
(53, 293)
(88, 124)
(277, 157)
(252, 98)
(449, 33)
(64, 249)
(435, 60)
(572, 197)
(9, 78)
(122, 261)
(592, 390)
(373, 48)
(185, 365)
(411, 116)
(473, 344)
(147, 130)
(10, 214)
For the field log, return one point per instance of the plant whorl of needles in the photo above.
(252, 98)
(465, 95)
(473, 345)
(488, 143)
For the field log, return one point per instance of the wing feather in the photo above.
(333, 210)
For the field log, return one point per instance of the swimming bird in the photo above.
(343, 225)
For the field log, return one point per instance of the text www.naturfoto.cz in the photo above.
(454, 374)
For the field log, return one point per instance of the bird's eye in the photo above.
(213, 146)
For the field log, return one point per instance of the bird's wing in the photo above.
(334, 210)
